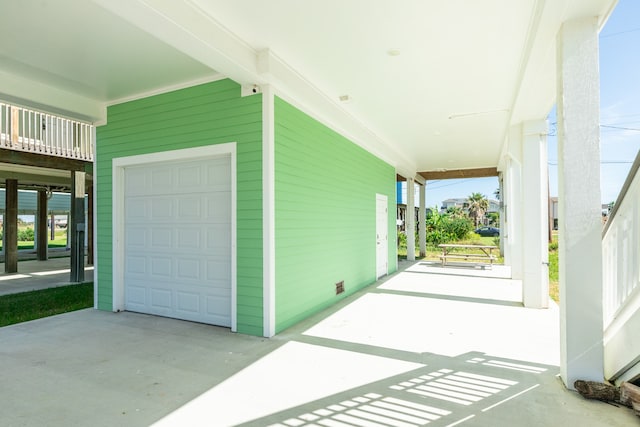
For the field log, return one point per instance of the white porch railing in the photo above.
(37, 132)
(621, 285)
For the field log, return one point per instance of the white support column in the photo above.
(514, 218)
(422, 220)
(410, 220)
(502, 212)
(580, 227)
(535, 280)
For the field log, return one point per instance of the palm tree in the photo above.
(478, 205)
(455, 212)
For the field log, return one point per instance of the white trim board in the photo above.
(118, 166)
(268, 212)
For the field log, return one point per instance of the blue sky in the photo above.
(619, 108)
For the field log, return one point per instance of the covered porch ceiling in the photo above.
(429, 86)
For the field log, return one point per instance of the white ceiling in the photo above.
(466, 70)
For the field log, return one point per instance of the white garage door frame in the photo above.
(118, 201)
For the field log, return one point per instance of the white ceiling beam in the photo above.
(37, 95)
(189, 29)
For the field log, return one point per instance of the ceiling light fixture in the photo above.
(344, 98)
(393, 52)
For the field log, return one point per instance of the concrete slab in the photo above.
(33, 275)
(394, 354)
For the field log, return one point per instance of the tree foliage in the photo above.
(478, 206)
(448, 227)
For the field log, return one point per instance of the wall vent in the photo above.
(340, 287)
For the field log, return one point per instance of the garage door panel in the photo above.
(217, 306)
(136, 183)
(218, 207)
(136, 264)
(189, 269)
(190, 208)
(189, 238)
(161, 179)
(218, 239)
(136, 296)
(161, 266)
(189, 176)
(161, 237)
(161, 209)
(136, 210)
(218, 174)
(188, 302)
(161, 298)
(218, 270)
(178, 240)
(136, 237)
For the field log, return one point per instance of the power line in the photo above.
(619, 33)
(448, 185)
(619, 127)
(603, 162)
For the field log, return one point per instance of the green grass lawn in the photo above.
(59, 242)
(16, 308)
(433, 253)
(554, 289)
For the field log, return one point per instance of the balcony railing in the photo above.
(621, 282)
(23, 129)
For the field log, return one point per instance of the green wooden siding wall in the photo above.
(325, 201)
(207, 114)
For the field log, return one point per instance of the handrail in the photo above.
(34, 131)
(623, 192)
(621, 281)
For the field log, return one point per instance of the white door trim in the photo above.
(385, 244)
(118, 166)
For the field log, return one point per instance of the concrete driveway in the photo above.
(419, 347)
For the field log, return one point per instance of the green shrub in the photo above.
(26, 235)
(553, 246)
(402, 239)
(444, 228)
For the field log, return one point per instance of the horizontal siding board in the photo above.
(325, 188)
(208, 114)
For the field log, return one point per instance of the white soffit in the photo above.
(430, 84)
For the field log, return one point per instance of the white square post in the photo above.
(410, 221)
(535, 280)
(579, 202)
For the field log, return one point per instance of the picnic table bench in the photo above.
(484, 254)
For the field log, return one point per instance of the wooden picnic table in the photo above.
(484, 254)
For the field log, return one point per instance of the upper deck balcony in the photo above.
(37, 132)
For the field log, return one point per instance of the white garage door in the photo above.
(177, 260)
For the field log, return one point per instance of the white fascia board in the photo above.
(165, 89)
(39, 96)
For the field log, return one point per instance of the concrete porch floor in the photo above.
(418, 347)
(34, 275)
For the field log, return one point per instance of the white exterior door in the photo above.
(382, 236)
(177, 239)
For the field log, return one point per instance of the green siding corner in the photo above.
(325, 203)
(207, 114)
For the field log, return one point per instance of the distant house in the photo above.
(401, 206)
(553, 211)
(462, 203)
